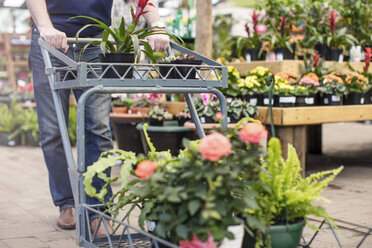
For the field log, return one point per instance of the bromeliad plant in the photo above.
(125, 39)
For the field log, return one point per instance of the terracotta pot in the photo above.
(140, 110)
(120, 110)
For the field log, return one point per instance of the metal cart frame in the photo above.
(147, 79)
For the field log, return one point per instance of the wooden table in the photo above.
(291, 123)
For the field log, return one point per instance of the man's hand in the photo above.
(55, 38)
(158, 42)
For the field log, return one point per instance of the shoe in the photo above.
(101, 228)
(66, 219)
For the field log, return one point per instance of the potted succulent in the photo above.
(288, 198)
(179, 72)
(127, 42)
(157, 115)
(332, 90)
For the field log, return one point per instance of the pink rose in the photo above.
(29, 87)
(214, 146)
(196, 242)
(145, 169)
(253, 133)
(219, 116)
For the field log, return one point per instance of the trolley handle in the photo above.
(46, 47)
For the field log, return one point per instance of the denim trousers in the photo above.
(97, 129)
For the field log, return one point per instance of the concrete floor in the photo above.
(28, 217)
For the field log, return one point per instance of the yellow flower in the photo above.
(241, 83)
(230, 68)
(260, 70)
(251, 81)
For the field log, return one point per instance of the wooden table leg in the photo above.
(296, 136)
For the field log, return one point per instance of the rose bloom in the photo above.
(197, 243)
(145, 169)
(253, 133)
(214, 146)
(219, 116)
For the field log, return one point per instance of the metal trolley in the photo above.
(146, 79)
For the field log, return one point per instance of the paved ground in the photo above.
(28, 217)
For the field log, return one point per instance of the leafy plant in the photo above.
(240, 109)
(159, 113)
(122, 103)
(333, 85)
(8, 121)
(126, 39)
(27, 124)
(206, 106)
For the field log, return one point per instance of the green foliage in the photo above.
(28, 123)
(289, 196)
(71, 126)
(159, 113)
(239, 109)
(8, 121)
(341, 39)
(209, 108)
(125, 39)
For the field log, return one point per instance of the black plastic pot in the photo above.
(177, 71)
(155, 122)
(9, 142)
(334, 54)
(167, 137)
(321, 50)
(285, 101)
(305, 100)
(332, 100)
(354, 98)
(127, 136)
(255, 99)
(266, 101)
(251, 54)
(232, 119)
(206, 119)
(283, 53)
(181, 121)
(120, 69)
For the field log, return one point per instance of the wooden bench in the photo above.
(291, 124)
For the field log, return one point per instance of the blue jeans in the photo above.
(97, 130)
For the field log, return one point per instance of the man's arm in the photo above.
(157, 42)
(52, 36)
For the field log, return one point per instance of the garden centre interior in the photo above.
(269, 118)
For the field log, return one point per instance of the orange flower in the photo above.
(253, 133)
(312, 76)
(145, 169)
(333, 78)
(214, 146)
(219, 116)
(291, 77)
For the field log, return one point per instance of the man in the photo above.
(51, 19)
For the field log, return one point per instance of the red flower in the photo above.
(20, 88)
(247, 30)
(214, 146)
(29, 87)
(219, 116)
(255, 20)
(145, 169)
(368, 57)
(316, 60)
(197, 243)
(332, 22)
(140, 10)
(283, 21)
(253, 133)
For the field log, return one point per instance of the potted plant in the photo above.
(195, 197)
(157, 115)
(332, 89)
(288, 198)
(179, 72)
(206, 107)
(357, 86)
(140, 106)
(338, 39)
(121, 106)
(127, 42)
(10, 117)
(233, 79)
(307, 89)
(251, 44)
(284, 93)
(255, 95)
(183, 116)
(27, 128)
(238, 109)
